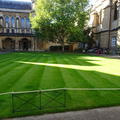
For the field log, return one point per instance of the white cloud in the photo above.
(24, 0)
(92, 1)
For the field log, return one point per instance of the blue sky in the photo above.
(22, 0)
(91, 1)
(26, 0)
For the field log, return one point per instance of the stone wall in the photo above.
(17, 42)
(109, 26)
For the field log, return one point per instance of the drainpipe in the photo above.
(110, 21)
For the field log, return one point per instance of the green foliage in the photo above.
(60, 20)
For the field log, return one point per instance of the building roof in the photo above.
(17, 5)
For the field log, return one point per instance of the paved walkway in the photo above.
(109, 56)
(112, 113)
(112, 56)
(4, 52)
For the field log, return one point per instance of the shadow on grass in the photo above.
(75, 100)
(74, 78)
(68, 59)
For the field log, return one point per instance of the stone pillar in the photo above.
(118, 32)
(16, 44)
(118, 4)
(0, 44)
(10, 30)
(32, 44)
(35, 43)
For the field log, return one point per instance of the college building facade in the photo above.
(16, 33)
(105, 23)
(15, 28)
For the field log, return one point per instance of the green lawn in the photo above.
(38, 71)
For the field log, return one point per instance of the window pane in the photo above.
(7, 21)
(13, 21)
(28, 23)
(17, 22)
(1, 21)
(22, 22)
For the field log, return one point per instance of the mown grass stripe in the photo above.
(8, 68)
(72, 79)
(31, 77)
(12, 76)
(21, 76)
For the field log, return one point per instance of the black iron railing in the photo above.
(54, 100)
(38, 100)
(16, 31)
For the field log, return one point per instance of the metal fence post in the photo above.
(40, 94)
(64, 97)
(13, 110)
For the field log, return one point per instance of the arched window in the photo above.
(96, 19)
(13, 22)
(28, 23)
(7, 22)
(115, 11)
(17, 22)
(22, 22)
(1, 21)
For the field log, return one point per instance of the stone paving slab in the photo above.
(110, 56)
(112, 113)
(4, 52)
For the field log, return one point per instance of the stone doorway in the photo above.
(8, 44)
(25, 44)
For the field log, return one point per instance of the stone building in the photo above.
(105, 21)
(15, 28)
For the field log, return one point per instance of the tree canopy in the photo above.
(60, 20)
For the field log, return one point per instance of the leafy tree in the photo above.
(88, 37)
(60, 20)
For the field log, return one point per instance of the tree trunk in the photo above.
(63, 47)
(62, 41)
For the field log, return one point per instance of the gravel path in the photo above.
(112, 113)
(110, 56)
(4, 52)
